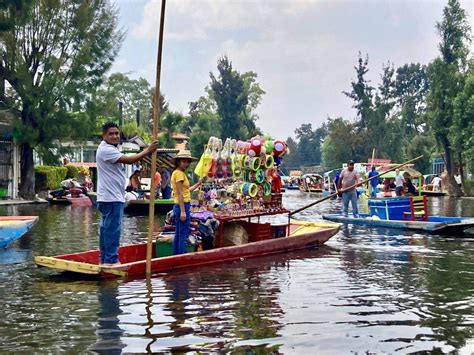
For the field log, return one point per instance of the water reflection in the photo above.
(108, 331)
(372, 290)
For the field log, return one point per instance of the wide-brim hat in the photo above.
(184, 154)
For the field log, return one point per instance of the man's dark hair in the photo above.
(106, 126)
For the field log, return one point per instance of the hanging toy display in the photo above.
(242, 174)
(279, 148)
(255, 147)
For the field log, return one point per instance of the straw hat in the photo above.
(184, 154)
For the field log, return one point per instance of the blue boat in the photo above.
(434, 224)
(13, 227)
(406, 213)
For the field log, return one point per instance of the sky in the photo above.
(303, 51)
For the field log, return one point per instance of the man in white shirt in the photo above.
(399, 181)
(436, 183)
(110, 190)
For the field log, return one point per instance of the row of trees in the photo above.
(54, 60)
(415, 109)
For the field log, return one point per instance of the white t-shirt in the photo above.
(458, 179)
(399, 180)
(436, 181)
(111, 178)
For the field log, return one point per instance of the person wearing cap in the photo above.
(111, 190)
(348, 178)
(182, 200)
(374, 182)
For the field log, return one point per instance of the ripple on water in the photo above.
(373, 290)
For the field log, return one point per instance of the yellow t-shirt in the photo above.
(176, 177)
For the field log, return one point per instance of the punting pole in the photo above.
(156, 120)
(353, 186)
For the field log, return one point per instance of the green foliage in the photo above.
(53, 59)
(130, 130)
(469, 187)
(461, 133)
(49, 177)
(231, 99)
(72, 171)
(341, 143)
(447, 75)
(169, 125)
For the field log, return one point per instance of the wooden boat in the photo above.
(142, 207)
(433, 193)
(81, 201)
(434, 224)
(291, 187)
(58, 201)
(93, 197)
(13, 227)
(301, 235)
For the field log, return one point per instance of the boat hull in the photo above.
(134, 264)
(13, 227)
(142, 207)
(58, 201)
(433, 193)
(434, 225)
(83, 201)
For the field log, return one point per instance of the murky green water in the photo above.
(368, 290)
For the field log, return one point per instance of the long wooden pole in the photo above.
(156, 120)
(353, 186)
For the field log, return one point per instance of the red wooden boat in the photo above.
(262, 241)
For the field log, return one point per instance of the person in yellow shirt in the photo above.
(182, 200)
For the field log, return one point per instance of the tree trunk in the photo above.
(453, 188)
(27, 171)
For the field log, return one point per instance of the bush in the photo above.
(72, 171)
(49, 177)
(469, 187)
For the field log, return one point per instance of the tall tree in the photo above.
(231, 98)
(447, 75)
(340, 144)
(56, 53)
(411, 87)
(462, 131)
(362, 93)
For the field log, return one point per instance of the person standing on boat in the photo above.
(348, 178)
(374, 182)
(436, 183)
(399, 181)
(165, 183)
(157, 179)
(182, 200)
(110, 189)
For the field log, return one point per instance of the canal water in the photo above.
(369, 290)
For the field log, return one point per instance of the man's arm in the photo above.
(133, 158)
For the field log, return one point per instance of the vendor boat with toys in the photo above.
(229, 217)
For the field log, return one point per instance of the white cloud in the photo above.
(303, 51)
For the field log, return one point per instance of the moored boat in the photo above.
(133, 264)
(433, 224)
(13, 227)
(58, 201)
(81, 201)
(143, 206)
